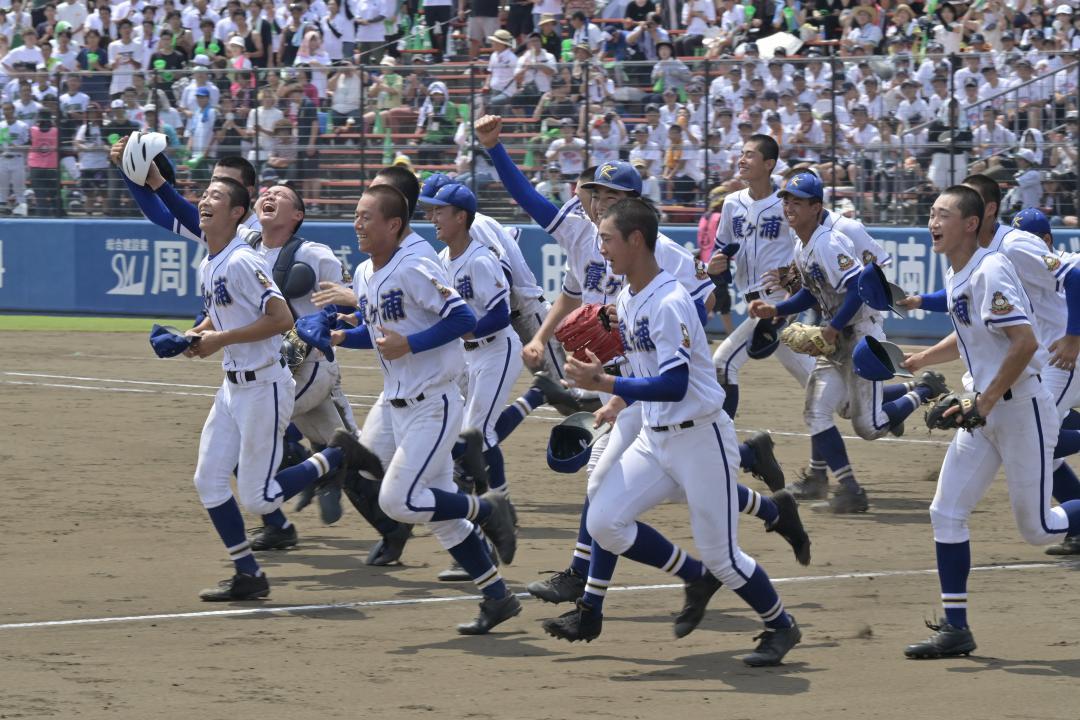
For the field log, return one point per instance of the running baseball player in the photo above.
(590, 279)
(826, 263)
(414, 320)
(1045, 279)
(685, 431)
(1009, 412)
(246, 314)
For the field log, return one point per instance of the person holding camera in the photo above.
(535, 69)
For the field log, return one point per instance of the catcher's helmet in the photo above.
(879, 293)
(571, 442)
(877, 361)
(142, 149)
(765, 340)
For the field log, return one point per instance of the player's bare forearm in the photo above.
(276, 320)
(1022, 346)
(563, 306)
(945, 350)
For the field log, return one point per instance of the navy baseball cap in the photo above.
(432, 185)
(618, 175)
(803, 185)
(454, 195)
(1032, 220)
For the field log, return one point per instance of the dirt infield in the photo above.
(102, 524)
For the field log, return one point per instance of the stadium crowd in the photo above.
(887, 100)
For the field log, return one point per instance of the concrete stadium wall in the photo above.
(132, 267)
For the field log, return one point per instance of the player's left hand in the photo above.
(330, 293)
(210, 341)
(609, 412)
(612, 314)
(912, 362)
(392, 345)
(1064, 350)
(761, 309)
(584, 375)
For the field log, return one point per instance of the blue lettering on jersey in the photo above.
(613, 285)
(594, 273)
(220, 295)
(818, 274)
(465, 288)
(961, 311)
(639, 339)
(362, 310)
(770, 227)
(392, 305)
(737, 226)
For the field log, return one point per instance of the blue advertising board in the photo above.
(132, 267)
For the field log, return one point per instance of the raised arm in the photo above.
(540, 209)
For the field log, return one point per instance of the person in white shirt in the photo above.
(533, 72)
(27, 53)
(553, 188)
(587, 33)
(912, 104)
(608, 135)
(644, 150)
(200, 79)
(568, 151)
(74, 13)
(1029, 189)
(125, 58)
(261, 122)
(195, 13)
(990, 137)
(698, 17)
(200, 127)
(992, 87)
(370, 28)
(103, 22)
(501, 83)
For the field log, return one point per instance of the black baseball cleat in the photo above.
(454, 573)
(790, 527)
(847, 501)
(389, 549)
(774, 645)
(555, 394)
(356, 457)
(304, 498)
(499, 526)
(240, 586)
(581, 623)
(473, 475)
(811, 485)
(766, 468)
(271, 537)
(564, 586)
(947, 641)
(935, 381)
(1068, 546)
(698, 593)
(492, 612)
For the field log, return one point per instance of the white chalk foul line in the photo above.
(329, 607)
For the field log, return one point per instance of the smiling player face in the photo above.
(614, 247)
(948, 228)
(752, 163)
(801, 212)
(603, 198)
(216, 218)
(376, 234)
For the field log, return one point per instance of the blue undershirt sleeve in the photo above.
(183, 211)
(852, 302)
(460, 321)
(800, 301)
(150, 204)
(358, 338)
(669, 386)
(935, 301)
(539, 208)
(1072, 301)
(496, 319)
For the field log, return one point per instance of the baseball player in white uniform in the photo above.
(493, 352)
(825, 260)
(684, 430)
(414, 321)
(246, 315)
(994, 336)
(14, 139)
(1043, 275)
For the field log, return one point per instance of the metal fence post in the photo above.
(472, 126)
(363, 125)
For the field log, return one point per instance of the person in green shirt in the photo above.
(437, 121)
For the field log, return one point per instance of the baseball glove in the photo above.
(968, 417)
(806, 339)
(790, 279)
(588, 327)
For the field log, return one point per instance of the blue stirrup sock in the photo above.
(229, 524)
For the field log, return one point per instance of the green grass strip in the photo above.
(64, 323)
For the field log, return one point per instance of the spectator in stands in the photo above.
(65, 53)
(200, 78)
(473, 166)
(313, 56)
(519, 20)
(553, 187)
(44, 161)
(228, 130)
(284, 156)
(550, 35)
(305, 118)
(152, 122)
(261, 123)
(437, 15)
(542, 8)
(642, 44)
(990, 139)
(568, 151)
(208, 45)
(650, 185)
(371, 30)
(556, 102)
(344, 91)
(1028, 192)
(534, 72)
(482, 24)
(682, 165)
(437, 121)
(28, 54)
(258, 42)
(102, 21)
(500, 86)
(26, 107)
(668, 72)
(165, 60)
(74, 13)
(586, 33)
(200, 131)
(698, 17)
(590, 80)
(863, 31)
(14, 141)
(607, 135)
(92, 145)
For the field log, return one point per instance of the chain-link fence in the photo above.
(886, 133)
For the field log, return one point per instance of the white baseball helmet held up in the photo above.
(140, 151)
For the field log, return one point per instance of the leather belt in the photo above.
(235, 376)
(474, 344)
(667, 428)
(400, 403)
